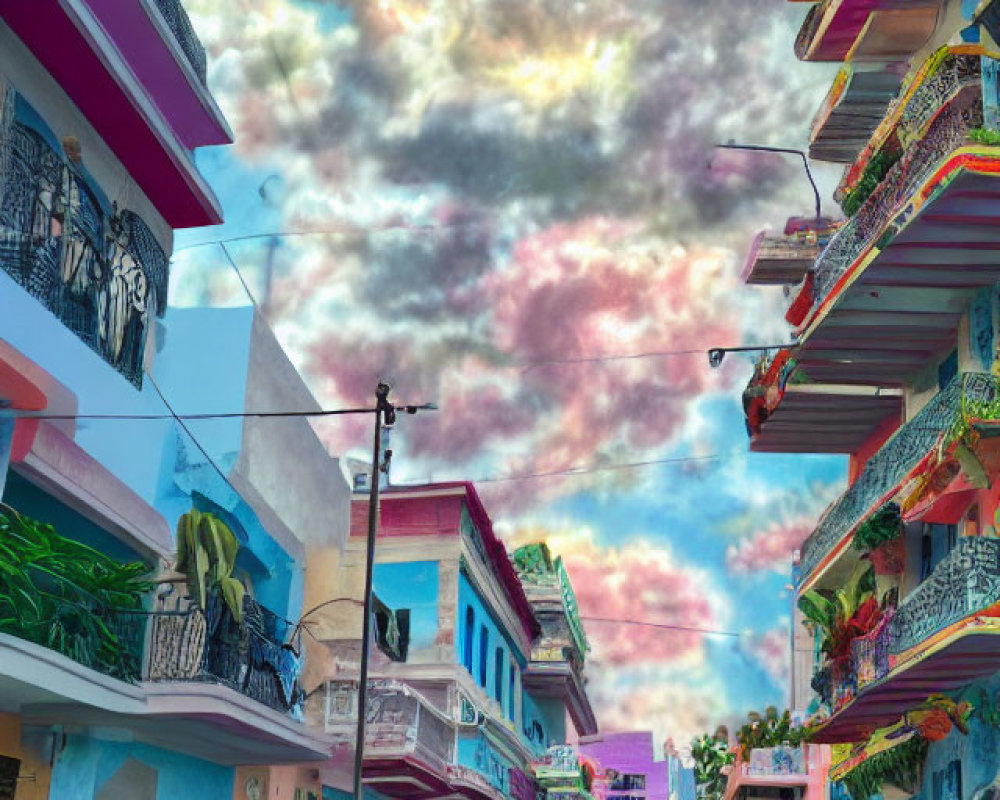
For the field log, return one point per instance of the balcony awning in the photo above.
(896, 307)
(852, 110)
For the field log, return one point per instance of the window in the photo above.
(946, 784)
(510, 690)
(498, 662)
(469, 633)
(484, 649)
(628, 783)
(937, 542)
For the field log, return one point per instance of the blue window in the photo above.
(510, 693)
(498, 662)
(469, 633)
(484, 651)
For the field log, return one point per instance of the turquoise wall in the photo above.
(548, 712)
(87, 763)
(497, 636)
(412, 585)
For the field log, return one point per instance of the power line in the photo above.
(330, 412)
(571, 471)
(663, 626)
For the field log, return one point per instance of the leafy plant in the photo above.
(206, 554)
(70, 598)
(901, 765)
(770, 730)
(711, 756)
(875, 172)
(845, 614)
(985, 136)
(885, 525)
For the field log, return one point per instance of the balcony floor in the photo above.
(962, 653)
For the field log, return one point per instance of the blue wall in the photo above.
(412, 585)
(496, 637)
(86, 764)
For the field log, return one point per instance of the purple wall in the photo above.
(629, 754)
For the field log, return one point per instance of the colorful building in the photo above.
(630, 767)
(463, 703)
(895, 365)
(117, 678)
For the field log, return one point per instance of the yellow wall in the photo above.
(31, 763)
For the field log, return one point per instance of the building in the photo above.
(465, 701)
(630, 767)
(895, 365)
(114, 680)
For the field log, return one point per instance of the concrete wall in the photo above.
(87, 763)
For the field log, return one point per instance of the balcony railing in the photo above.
(972, 397)
(871, 223)
(771, 761)
(180, 25)
(251, 657)
(97, 268)
(399, 720)
(965, 582)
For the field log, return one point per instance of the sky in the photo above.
(516, 209)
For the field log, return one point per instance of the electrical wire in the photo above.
(571, 471)
(663, 626)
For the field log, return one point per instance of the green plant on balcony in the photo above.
(844, 614)
(875, 171)
(986, 136)
(70, 598)
(206, 554)
(880, 538)
(899, 766)
(770, 730)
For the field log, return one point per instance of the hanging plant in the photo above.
(885, 525)
(843, 615)
(900, 766)
(206, 554)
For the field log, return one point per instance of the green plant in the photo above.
(883, 526)
(900, 765)
(845, 614)
(985, 136)
(206, 554)
(875, 172)
(711, 755)
(770, 730)
(70, 598)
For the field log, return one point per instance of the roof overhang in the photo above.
(826, 418)
(76, 49)
(559, 679)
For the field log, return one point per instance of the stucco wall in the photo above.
(630, 754)
(87, 763)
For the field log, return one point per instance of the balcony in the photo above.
(835, 30)
(251, 657)
(971, 399)
(941, 636)
(779, 767)
(777, 259)
(96, 267)
(176, 17)
(409, 743)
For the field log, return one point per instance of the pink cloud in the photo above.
(772, 651)
(769, 549)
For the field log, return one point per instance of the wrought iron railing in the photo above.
(253, 657)
(180, 25)
(965, 582)
(897, 457)
(97, 268)
(882, 215)
(870, 654)
(399, 720)
(780, 760)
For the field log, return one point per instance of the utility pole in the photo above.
(385, 414)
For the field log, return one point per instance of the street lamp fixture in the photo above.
(762, 148)
(716, 355)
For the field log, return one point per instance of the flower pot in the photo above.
(889, 558)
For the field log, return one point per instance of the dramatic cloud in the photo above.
(770, 548)
(772, 650)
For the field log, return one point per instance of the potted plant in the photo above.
(880, 538)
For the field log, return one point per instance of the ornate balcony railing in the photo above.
(180, 25)
(970, 396)
(252, 657)
(781, 760)
(965, 582)
(399, 720)
(870, 654)
(881, 214)
(97, 268)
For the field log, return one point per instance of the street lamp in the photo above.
(717, 354)
(385, 414)
(787, 150)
